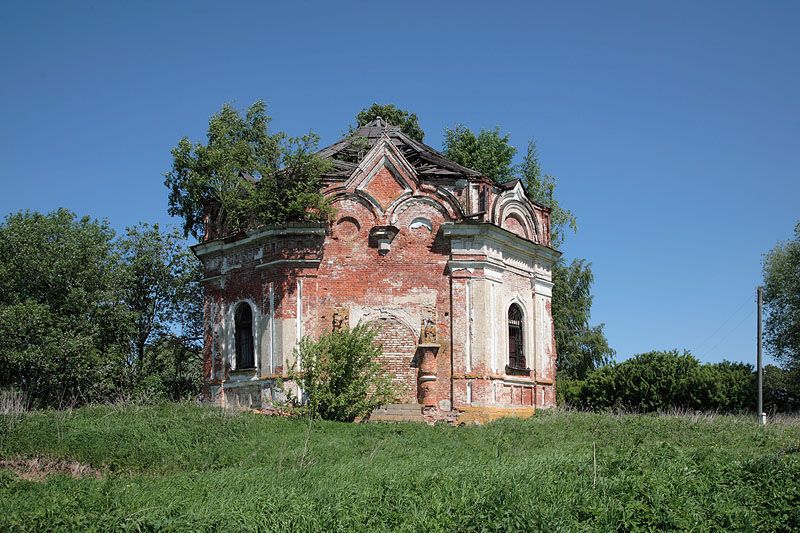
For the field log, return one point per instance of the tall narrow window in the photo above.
(244, 337)
(516, 348)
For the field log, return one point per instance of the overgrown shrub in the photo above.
(341, 375)
(781, 389)
(658, 381)
(568, 391)
(726, 386)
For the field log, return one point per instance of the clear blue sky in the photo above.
(673, 127)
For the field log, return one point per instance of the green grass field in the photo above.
(190, 468)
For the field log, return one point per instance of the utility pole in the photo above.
(762, 416)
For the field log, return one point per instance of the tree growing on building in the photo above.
(408, 122)
(245, 176)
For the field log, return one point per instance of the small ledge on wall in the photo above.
(514, 371)
(244, 374)
(382, 237)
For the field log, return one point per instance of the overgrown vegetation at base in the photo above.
(189, 468)
(341, 374)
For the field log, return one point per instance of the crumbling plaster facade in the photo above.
(434, 261)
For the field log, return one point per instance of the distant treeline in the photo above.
(664, 380)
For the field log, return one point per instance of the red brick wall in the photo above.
(398, 344)
(411, 277)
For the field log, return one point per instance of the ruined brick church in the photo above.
(454, 270)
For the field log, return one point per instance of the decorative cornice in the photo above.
(500, 236)
(254, 236)
(281, 262)
(511, 380)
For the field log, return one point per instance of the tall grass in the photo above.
(191, 468)
(12, 402)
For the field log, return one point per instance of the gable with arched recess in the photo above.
(513, 211)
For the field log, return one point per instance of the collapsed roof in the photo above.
(428, 162)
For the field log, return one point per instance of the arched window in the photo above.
(516, 347)
(244, 337)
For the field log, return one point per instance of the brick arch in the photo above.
(514, 224)
(415, 202)
(355, 205)
(509, 205)
(399, 344)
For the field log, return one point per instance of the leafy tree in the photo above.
(86, 317)
(541, 188)
(245, 176)
(727, 386)
(341, 374)
(408, 122)
(782, 300)
(489, 152)
(162, 286)
(171, 370)
(581, 347)
(64, 330)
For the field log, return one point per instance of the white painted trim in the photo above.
(534, 333)
(468, 340)
(511, 380)
(501, 237)
(229, 330)
(299, 318)
(383, 150)
(543, 287)
(491, 265)
(364, 315)
(402, 204)
(272, 328)
(421, 222)
(493, 336)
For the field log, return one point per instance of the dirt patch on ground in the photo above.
(39, 468)
(274, 411)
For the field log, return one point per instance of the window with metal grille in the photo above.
(516, 348)
(244, 337)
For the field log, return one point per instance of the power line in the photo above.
(697, 347)
(731, 331)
